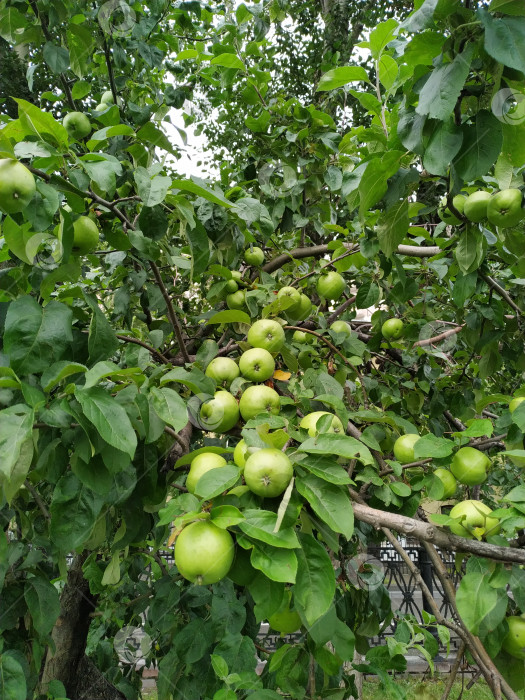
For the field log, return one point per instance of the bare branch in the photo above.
(431, 533)
(437, 338)
(171, 312)
(503, 294)
(136, 341)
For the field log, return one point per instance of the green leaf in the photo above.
(508, 7)
(43, 602)
(8, 379)
(326, 468)
(337, 77)
(232, 316)
(74, 511)
(226, 516)
(505, 39)
(102, 341)
(35, 337)
(478, 427)
(478, 152)
(441, 91)
(374, 182)
(201, 189)
(109, 418)
(151, 189)
(105, 369)
(469, 250)
(56, 57)
(443, 147)
(422, 18)
(518, 416)
(340, 445)
(170, 407)
(216, 481)
(81, 44)
(267, 594)
(276, 564)
(481, 606)
(315, 583)
(259, 524)
(112, 571)
(388, 70)
(194, 379)
(58, 371)
(331, 503)
(432, 446)
(42, 124)
(228, 60)
(12, 679)
(392, 229)
(16, 447)
(380, 36)
(152, 135)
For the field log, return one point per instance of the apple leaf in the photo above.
(432, 446)
(109, 418)
(338, 77)
(169, 406)
(233, 316)
(74, 511)
(215, 481)
(518, 416)
(331, 503)
(315, 582)
(481, 606)
(340, 445)
(505, 39)
(276, 564)
(442, 89)
(260, 524)
(268, 596)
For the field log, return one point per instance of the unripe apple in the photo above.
(404, 448)
(469, 466)
(504, 208)
(475, 208)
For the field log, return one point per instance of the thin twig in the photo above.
(437, 338)
(38, 500)
(503, 294)
(176, 436)
(136, 341)
(454, 670)
(171, 312)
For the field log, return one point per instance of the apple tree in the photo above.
(185, 365)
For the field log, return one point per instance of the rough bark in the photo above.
(68, 663)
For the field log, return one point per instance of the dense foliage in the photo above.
(348, 163)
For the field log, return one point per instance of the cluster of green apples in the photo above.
(503, 208)
(469, 467)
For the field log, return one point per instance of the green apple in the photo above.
(446, 215)
(475, 520)
(514, 642)
(219, 414)
(513, 405)
(201, 464)
(330, 285)
(258, 399)
(17, 186)
(231, 286)
(240, 454)
(341, 327)
(223, 370)
(469, 466)
(448, 480)
(504, 208)
(204, 552)
(266, 334)
(285, 621)
(85, 235)
(254, 256)
(236, 300)
(392, 329)
(236, 275)
(107, 98)
(476, 206)
(257, 365)
(309, 423)
(404, 448)
(300, 313)
(267, 472)
(293, 295)
(77, 125)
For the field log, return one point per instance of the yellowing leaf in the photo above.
(282, 376)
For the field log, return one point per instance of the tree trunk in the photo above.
(68, 662)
